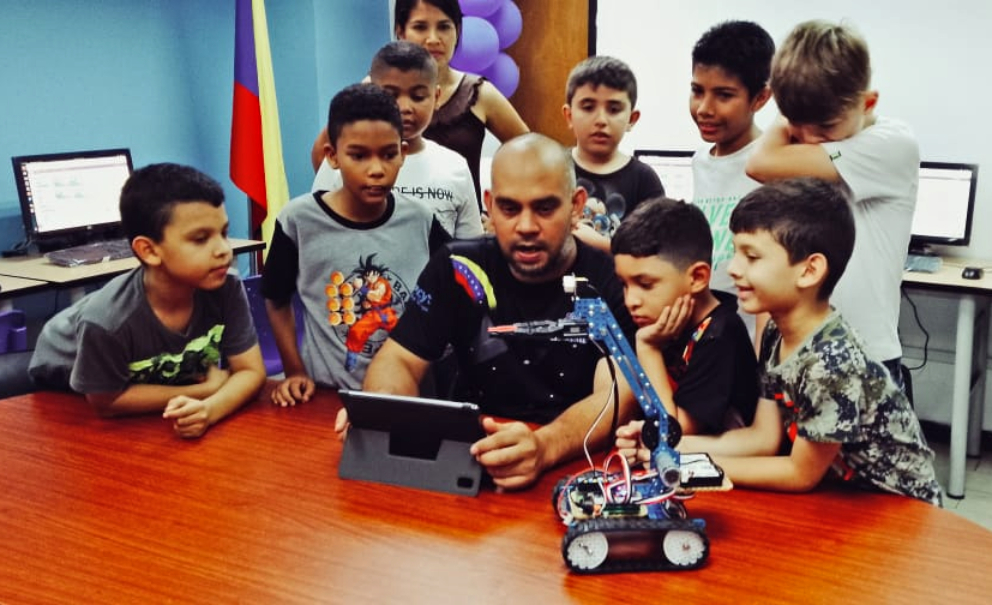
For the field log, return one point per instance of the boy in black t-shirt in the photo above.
(692, 344)
(601, 96)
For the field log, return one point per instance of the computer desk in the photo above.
(122, 510)
(970, 354)
(11, 287)
(38, 268)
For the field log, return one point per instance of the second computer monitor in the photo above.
(945, 203)
(674, 168)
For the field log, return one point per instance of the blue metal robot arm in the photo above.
(591, 319)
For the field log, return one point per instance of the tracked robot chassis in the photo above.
(621, 520)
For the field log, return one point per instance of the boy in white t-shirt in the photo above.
(431, 173)
(730, 67)
(821, 79)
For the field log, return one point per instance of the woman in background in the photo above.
(469, 105)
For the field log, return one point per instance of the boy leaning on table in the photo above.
(841, 411)
(151, 340)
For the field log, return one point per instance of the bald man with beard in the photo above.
(515, 276)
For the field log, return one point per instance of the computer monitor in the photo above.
(674, 168)
(945, 202)
(71, 198)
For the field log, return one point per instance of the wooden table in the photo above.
(121, 511)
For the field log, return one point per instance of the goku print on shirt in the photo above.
(363, 306)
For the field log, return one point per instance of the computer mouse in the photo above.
(972, 273)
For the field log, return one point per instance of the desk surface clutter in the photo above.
(121, 510)
(949, 276)
(37, 267)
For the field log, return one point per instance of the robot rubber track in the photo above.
(620, 544)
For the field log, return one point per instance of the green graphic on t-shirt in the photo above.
(187, 367)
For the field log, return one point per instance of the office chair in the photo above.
(14, 378)
(13, 331)
(14, 354)
(266, 340)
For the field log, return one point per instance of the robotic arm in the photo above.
(606, 513)
(591, 319)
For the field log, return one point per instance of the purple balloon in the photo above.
(508, 23)
(480, 8)
(504, 74)
(478, 47)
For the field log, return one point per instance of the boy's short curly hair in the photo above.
(671, 229)
(404, 56)
(806, 216)
(741, 48)
(820, 71)
(150, 194)
(602, 71)
(361, 102)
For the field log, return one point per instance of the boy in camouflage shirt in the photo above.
(841, 411)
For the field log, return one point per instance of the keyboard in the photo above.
(923, 263)
(88, 254)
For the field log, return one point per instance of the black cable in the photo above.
(926, 335)
(616, 397)
(610, 365)
(21, 248)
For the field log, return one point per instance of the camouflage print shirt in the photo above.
(828, 391)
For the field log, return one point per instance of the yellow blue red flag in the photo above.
(256, 145)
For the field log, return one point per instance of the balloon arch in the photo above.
(488, 28)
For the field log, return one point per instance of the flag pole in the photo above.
(256, 143)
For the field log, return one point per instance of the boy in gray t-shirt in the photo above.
(151, 340)
(351, 254)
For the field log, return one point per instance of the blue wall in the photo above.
(157, 76)
(84, 75)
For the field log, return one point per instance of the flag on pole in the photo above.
(256, 145)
